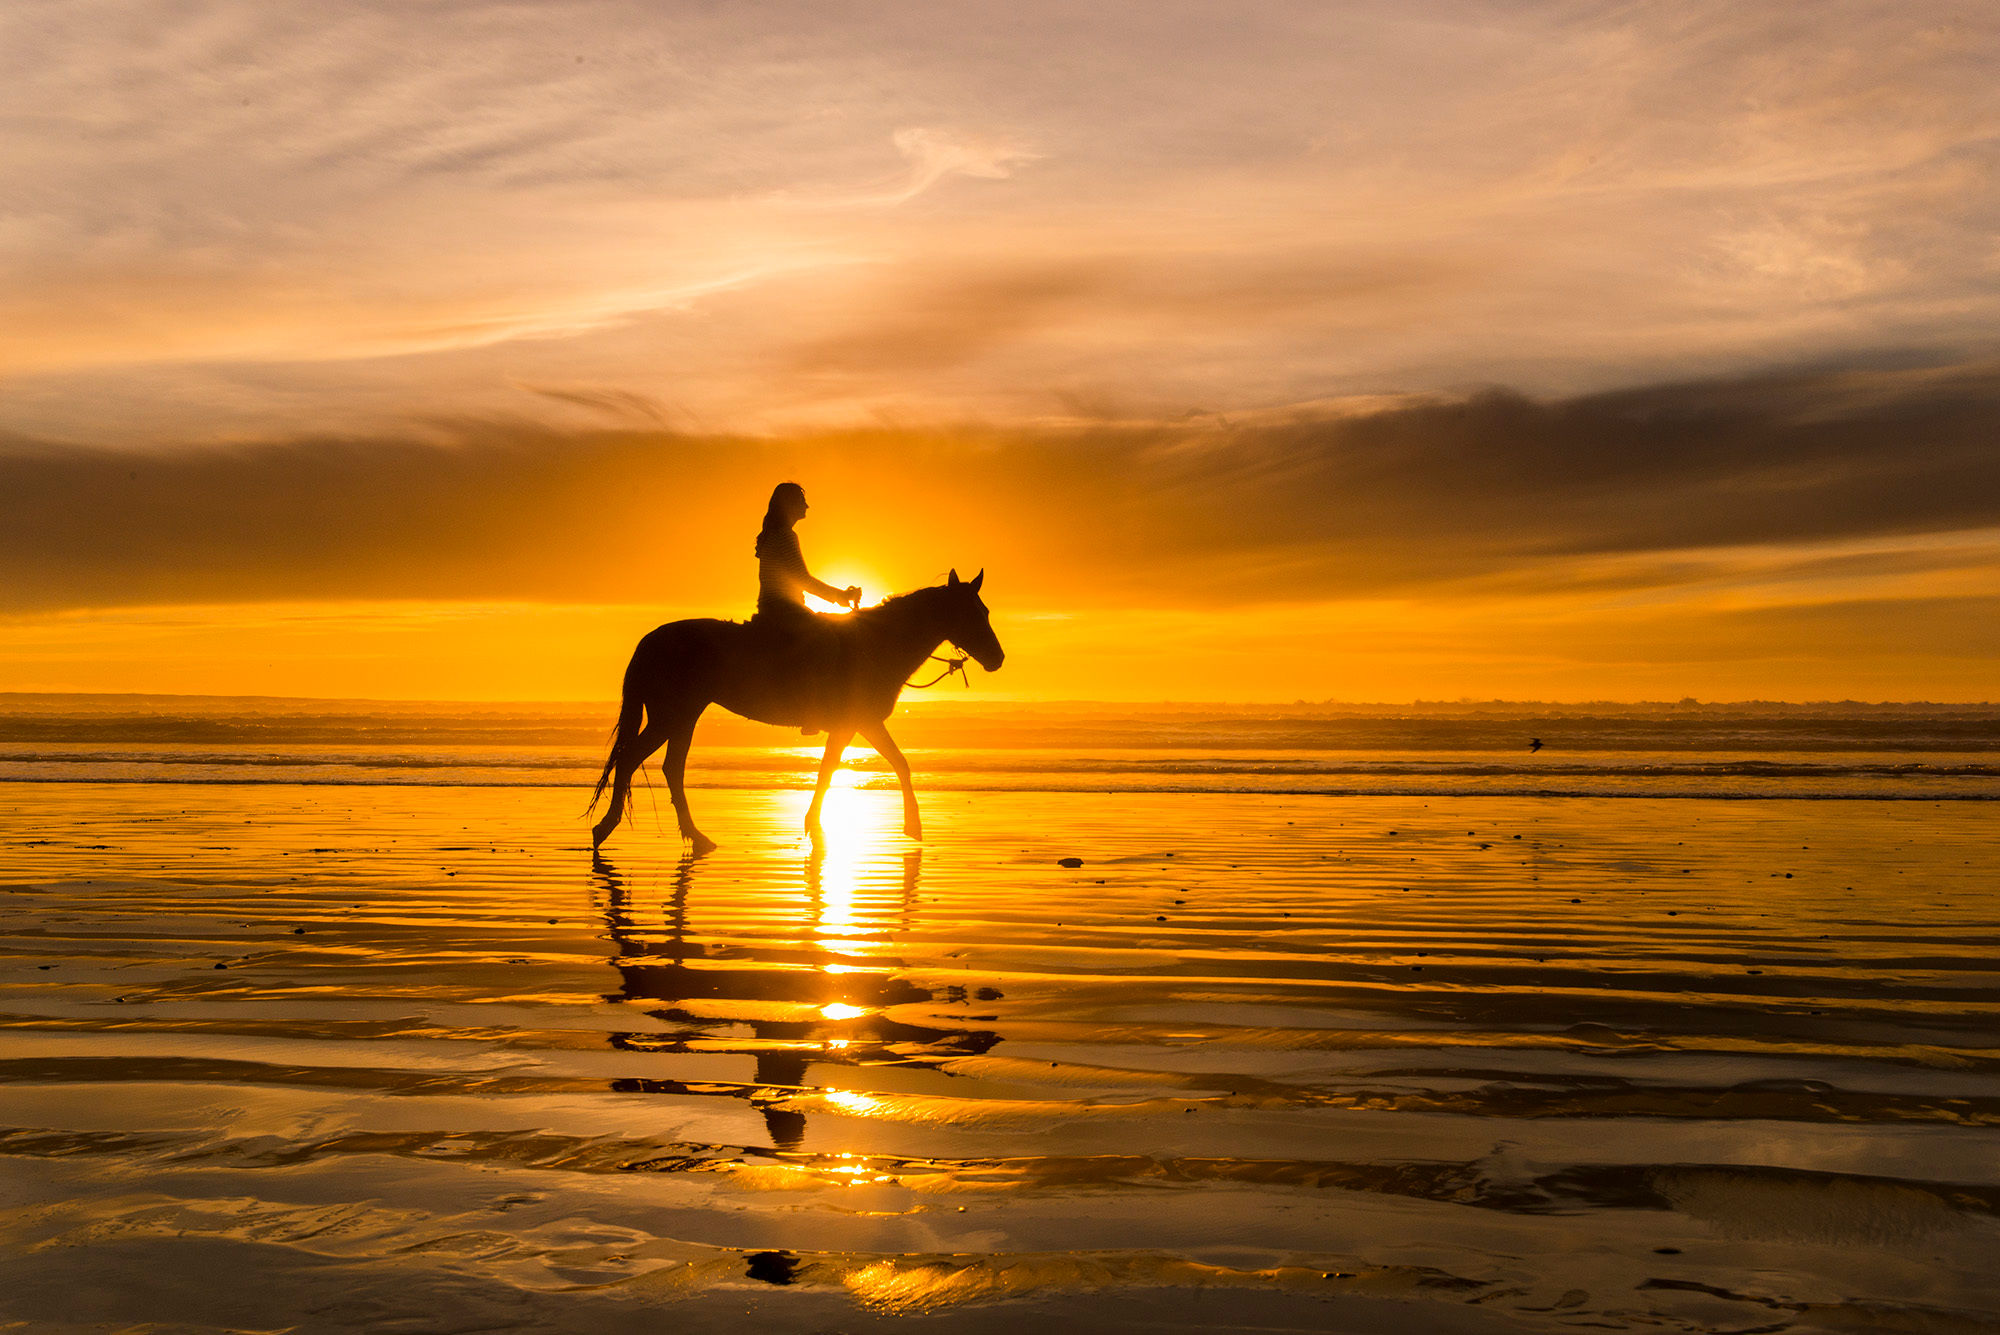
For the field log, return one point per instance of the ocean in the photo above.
(1849, 751)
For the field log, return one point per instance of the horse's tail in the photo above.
(629, 714)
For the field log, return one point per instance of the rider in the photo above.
(782, 578)
(801, 638)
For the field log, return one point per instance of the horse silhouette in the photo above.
(683, 667)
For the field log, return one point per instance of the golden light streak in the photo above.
(852, 1102)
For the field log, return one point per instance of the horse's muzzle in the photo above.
(991, 664)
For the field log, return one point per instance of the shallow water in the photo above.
(1884, 752)
(403, 1058)
(1902, 775)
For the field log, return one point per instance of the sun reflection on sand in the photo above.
(850, 1170)
(852, 1102)
(858, 827)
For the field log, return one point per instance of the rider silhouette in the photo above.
(806, 643)
(782, 578)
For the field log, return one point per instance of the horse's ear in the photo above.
(978, 580)
(953, 582)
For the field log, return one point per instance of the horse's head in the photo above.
(967, 623)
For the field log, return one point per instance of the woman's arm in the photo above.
(819, 588)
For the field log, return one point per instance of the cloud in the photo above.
(242, 217)
(1808, 486)
(613, 403)
(933, 155)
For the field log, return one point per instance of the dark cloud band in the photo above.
(1290, 507)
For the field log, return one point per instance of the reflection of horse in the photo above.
(685, 666)
(711, 999)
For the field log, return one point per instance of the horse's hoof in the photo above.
(914, 831)
(703, 845)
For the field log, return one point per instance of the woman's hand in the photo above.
(851, 595)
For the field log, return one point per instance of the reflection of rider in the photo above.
(804, 646)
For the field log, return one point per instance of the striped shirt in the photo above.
(782, 577)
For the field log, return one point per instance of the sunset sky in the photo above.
(1269, 351)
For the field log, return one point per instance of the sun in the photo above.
(847, 575)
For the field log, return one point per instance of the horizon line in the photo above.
(1457, 702)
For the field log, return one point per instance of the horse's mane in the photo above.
(887, 608)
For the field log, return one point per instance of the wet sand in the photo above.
(403, 1059)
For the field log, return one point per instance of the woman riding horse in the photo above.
(787, 665)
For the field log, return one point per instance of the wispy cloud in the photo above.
(414, 208)
(931, 155)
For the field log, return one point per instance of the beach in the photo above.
(1437, 571)
(403, 1056)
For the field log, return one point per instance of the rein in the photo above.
(951, 665)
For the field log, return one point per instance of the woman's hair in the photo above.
(786, 498)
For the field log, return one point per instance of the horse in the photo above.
(683, 667)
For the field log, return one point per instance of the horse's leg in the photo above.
(877, 736)
(680, 738)
(837, 738)
(630, 756)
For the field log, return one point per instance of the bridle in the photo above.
(951, 665)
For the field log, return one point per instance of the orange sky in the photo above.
(1267, 352)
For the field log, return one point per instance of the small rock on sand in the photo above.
(1069, 862)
